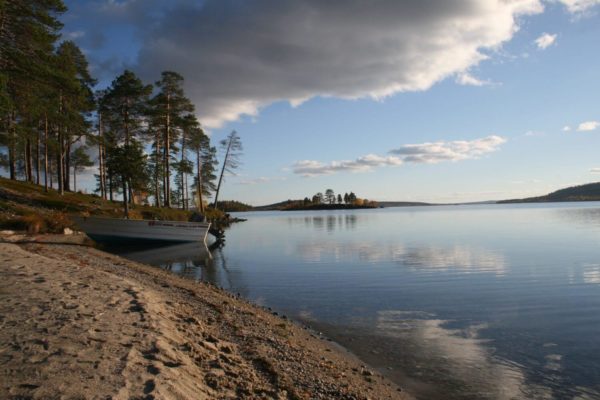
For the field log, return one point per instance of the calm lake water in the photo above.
(453, 302)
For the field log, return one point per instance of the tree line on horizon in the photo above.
(148, 140)
(329, 198)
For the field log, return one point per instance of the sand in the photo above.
(78, 323)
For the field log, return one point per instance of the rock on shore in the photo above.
(76, 323)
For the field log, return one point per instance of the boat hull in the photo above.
(112, 229)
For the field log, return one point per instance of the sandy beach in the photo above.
(79, 323)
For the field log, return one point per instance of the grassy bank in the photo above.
(26, 206)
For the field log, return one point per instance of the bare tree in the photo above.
(232, 146)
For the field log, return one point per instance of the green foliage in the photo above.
(326, 201)
(169, 111)
(124, 106)
(80, 159)
(47, 106)
(129, 163)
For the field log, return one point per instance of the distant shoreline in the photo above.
(328, 207)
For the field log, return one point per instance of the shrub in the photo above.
(34, 223)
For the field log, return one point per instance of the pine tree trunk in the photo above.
(12, 161)
(46, 152)
(125, 202)
(27, 152)
(199, 167)
(110, 185)
(101, 171)
(60, 165)
(222, 172)
(156, 169)
(187, 196)
(29, 160)
(51, 175)
(182, 177)
(38, 160)
(167, 151)
(67, 167)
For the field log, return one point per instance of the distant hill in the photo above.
(587, 192)
(233, 206)
(275, 206)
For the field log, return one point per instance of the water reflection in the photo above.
(329, 223)
(459, 258)
(190, 260)
(589, 216)
(462, 358)
(591, 273)
(459, 357)
(188, 252)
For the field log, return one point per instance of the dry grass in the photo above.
(27, 207)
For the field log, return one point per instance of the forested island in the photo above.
(587, 192)
(327, 200)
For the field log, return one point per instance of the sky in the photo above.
(413, 100)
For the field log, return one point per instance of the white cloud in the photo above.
(240, 56)
(579, 6)
(361, 164)
(467, 79)
(588, 126)
(595, 170)
(566, 128)
(545, 40)
(430, 153)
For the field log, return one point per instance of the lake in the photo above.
(452, 302)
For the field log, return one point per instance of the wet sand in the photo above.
(76, 322)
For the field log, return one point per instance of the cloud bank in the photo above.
(240, 56)
(425, 153)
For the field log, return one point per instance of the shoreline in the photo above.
(118, 328)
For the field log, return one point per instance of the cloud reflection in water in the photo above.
(459, 357)
(458, 258)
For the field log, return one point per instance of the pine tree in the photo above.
(29, 30)
(206, 163)
(232, 147)
(124, 109)
(169, 108)
(79, 160)
(76, 102)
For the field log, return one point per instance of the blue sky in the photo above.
(440, 101)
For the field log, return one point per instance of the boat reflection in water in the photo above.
(195, 261)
